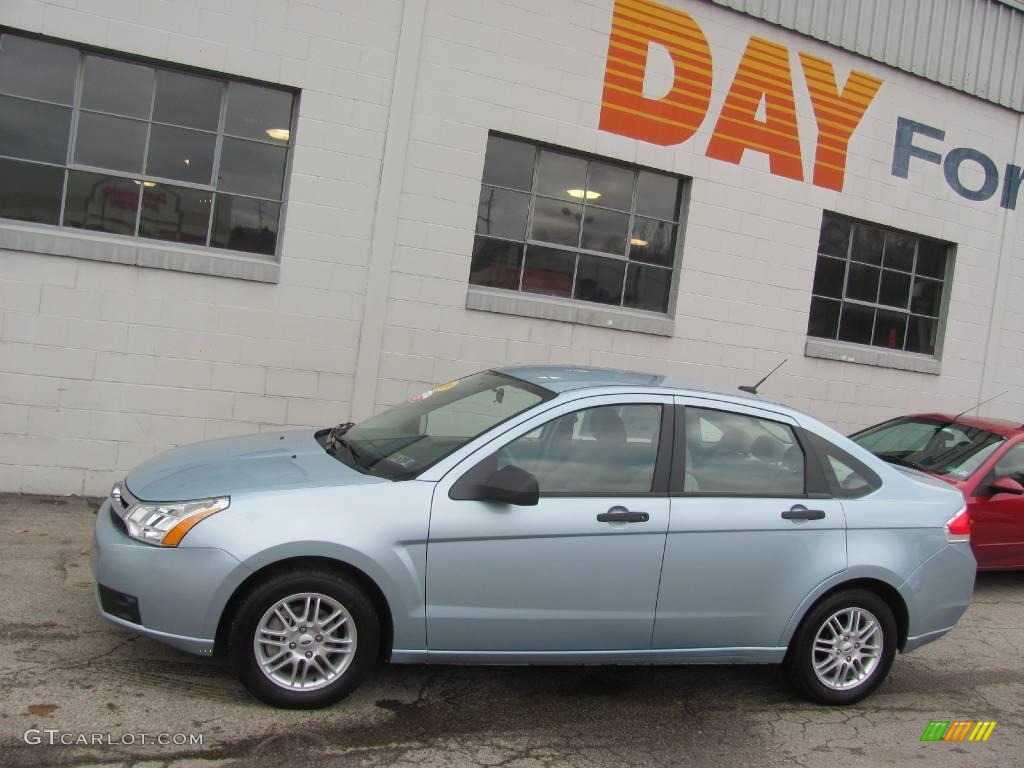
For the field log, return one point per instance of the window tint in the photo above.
(196, 143)
(847, 477)
(606, 450)
(731, 453)
(877, 286)
(575, 227)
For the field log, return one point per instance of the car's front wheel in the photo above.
(844, 648)
(304, 639)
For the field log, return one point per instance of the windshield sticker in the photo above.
(421, 396)
(401, 459)
(434, 391)
(446, 387)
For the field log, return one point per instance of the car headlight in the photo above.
(166, 523)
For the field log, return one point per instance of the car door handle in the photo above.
(800, 512)
(622, 515)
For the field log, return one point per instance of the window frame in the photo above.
(834, 348)
(572, 309)
(815, 484)
(205, 258)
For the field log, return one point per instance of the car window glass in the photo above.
(610, 449)
(732, 453)
(847, 477)
(1012, 464)
(936, 446)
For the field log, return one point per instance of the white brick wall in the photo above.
(102, 365)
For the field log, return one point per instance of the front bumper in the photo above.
(180, 591)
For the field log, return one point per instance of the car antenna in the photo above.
(973, 407)
(753, 389)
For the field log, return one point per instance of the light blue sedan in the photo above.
(539, 515)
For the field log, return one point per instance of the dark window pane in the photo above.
(862, 282)
(605, 230)
(174, 213)
(612, 184)
(187, 100)
(34, 131)
(890, 328)
(103, 203)
(829, 276)
(895, 291)
(927, 296)
(652, 241)
(509, 163)
(254, 110)
(251, 168)
(856, 324)
(38, 70)
(548, 271)
(502, 213)
(921, 333)
(899, 250)
(555, 221)
(647, 287)
(496, 263)
(178, 153)
(117, 86)
(562, 176)
(835, 236)
(867, 244)
(30, 192)
(244, 224)
(824, 319)
(110, 142)
(657, 195)
(599, 279)
(931, 258)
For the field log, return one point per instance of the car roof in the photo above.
(559, 379)
(998, 426)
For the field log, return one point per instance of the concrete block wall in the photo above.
(103, 365)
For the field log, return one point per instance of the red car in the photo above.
(984, 458)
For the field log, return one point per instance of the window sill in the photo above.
(96, 246)
(550, 308)
(865, 355)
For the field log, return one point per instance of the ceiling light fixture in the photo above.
(279, 134)
(583, 194)
(638, 242)
(145, 183)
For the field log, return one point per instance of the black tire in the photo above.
(800, 659)
(267, 594)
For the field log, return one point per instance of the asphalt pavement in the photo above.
(68, 676)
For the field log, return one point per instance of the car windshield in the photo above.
(931, 445)
(406, 439)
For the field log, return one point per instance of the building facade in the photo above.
(226, 217)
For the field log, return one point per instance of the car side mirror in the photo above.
(1006, 485)
(509, 485)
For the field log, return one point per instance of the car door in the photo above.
(753, 529)
(569, 574)
(997, 520)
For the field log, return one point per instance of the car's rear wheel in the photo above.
(304, 639)
(844, 648)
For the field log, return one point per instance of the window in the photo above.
(1010, 465)
(108, 144)
(847, 477)
(560, 224)
(877, 286)
(930, 444)
(735, 454)
(610, 450)
(407, 438)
